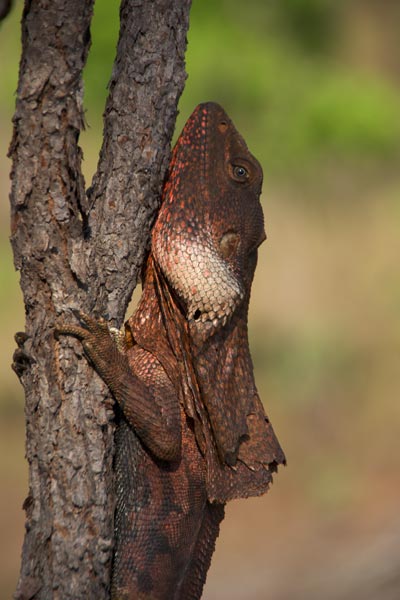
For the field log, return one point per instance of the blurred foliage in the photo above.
(311, 23)
(297, 104)
(104, 32)
(273, 66)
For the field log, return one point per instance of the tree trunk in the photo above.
(78, 252)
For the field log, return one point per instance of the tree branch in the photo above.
(72, 257)
(147, 81)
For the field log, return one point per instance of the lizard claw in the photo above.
(97, 341)
(91, 324)
(91, 327)
(93, 333)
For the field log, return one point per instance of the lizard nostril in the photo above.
(223, 126)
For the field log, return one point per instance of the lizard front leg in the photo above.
(161, 500)
(156, 423)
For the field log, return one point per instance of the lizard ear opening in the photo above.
(197, 315)
(229, 243)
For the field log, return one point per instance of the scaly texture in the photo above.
(193, 432)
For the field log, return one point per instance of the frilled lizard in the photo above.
(192, 432)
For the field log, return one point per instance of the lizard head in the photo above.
(235, 178)
(210, 223)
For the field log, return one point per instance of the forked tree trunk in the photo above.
(78, 251)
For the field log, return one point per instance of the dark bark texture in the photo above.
(75, 251)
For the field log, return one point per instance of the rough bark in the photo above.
(147, 80)
(75, 254)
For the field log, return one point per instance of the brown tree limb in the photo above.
(72, 257)
(147, 81)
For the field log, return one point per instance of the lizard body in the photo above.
(192, 431)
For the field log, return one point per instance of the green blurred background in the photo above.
(314, 87)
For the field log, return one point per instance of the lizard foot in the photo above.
(98, 344)
(92, 327)
(97, 341)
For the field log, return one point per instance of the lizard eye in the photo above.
(240, 173)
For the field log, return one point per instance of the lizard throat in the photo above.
(205, 282)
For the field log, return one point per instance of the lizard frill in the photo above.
(197, 290)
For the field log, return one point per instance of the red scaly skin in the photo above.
(192, 432)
